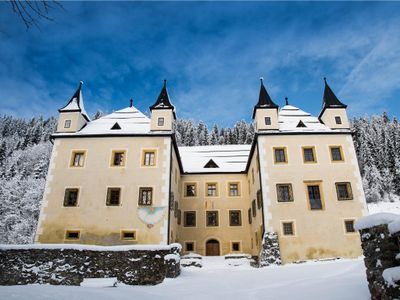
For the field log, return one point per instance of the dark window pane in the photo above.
(336, 154)
(288, 228)
(189, 247)
(118, 158)
(253, 207)
(235, 218)
(128, 235)
(113, 196)
(211, 190)
(267, 120)
(233, 189)
(259, 199)
(160, 121)
(308, 154)
(212, 218)
(338, 120)
(249, 215)
(190, 218)
(73, 235)
(314, 196)
(71, 197)
(349, 226)
(190, 190)
(280, 155)
(344, 191)
(145, 196)
(284, 192)
(235, 246)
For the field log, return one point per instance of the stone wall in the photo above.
(380, 249)
(70, 264)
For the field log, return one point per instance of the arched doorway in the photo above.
(212, 248)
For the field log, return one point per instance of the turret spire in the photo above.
(286, 101)
(264, 100)
(330, 100)
(163, 100)
(75, 104)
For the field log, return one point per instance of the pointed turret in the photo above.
(162, 112)
(73, 115)
(333, 113)
(265, 112)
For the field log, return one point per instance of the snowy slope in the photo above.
(340, 279)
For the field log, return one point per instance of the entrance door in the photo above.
(212, 248)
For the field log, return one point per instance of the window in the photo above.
(176, 209)
(259, 199)
(118, 158)
(338, 120)
(252, 175)
(253, 207)
(67, 124)
(336, 153)
(249, 215)
(314, 197)
(189, 218)
(160, 121)
(309, 154)
(284, 192)
(189, 246)
(280, 155)
(267, 120)
(212, 218)
(190, 190)
(287, 228)
(235, 218)
(212, 190)
(149, 158)
(343, 190)
(176, 175)
(71, 197)
(179, 217)
(235, 246)
(171, 200)
(128, 235)
(349, 225)
(78, 159)
(145, 196)
(113, 196)
(233, 189)
(72, 235)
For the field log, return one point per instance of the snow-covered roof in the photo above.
(290, 116)
(228, 158)
(76, 103)
(129, 119)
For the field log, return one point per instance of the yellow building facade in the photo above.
(122, 179)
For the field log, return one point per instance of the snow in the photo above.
(391, 276)
(174, 257)
(375, 220)
(130, 119)
(99, 282)
(229, 158)
(339, 279)
(392, 207)
(89, 247)
(289, 117)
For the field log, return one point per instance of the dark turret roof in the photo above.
(330, 99)
(75, 104)
(163, 99)
(264, 100)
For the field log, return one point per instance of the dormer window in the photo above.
(67, 124)
(301, 124)
(160, 121)
(267, 120)
(338, 120)
(116, 127)
(211, 164)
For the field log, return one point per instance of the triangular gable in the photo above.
(301, 124)
(115, 126)
(211, 164)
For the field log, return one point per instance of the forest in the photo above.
(25, 149)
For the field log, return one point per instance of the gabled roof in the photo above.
(330, 100)
(130, 120)
(163, 101)
(289, 118)
(75, 104)
(228, 158)
(264, 100)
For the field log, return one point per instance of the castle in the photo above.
(122, 179)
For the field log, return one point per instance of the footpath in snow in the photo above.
(339, 279)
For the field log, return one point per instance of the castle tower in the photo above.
(73, 115)
(265, 112)
(162, 112)
(333, 112)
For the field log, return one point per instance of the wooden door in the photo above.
(212, 248)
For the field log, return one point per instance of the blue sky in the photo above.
(211, 53)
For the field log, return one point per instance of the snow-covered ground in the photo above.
(340, 279)
(391, 207)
